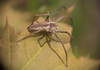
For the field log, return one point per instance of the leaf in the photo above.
(28, 55)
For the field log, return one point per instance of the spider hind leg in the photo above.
(48, 42)
(41, 45)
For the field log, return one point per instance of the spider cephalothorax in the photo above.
(47, 30)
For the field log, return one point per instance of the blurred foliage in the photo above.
(37, 6)
(34, 5)
(77, 27)
(47, 5)
(86, 29)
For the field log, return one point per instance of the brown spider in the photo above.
(47, 30)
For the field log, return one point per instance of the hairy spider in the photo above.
(46, 30)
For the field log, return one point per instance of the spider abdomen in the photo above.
(35, 28)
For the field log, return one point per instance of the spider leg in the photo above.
(48, 42)
(63, 48)
(60, 18)
(47, 16)
(41, 45)
(56, 40)
(59, 31)
(24, 38)
(67, 34)
(36, 17)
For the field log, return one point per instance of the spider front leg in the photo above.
(36, 17)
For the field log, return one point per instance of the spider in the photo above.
(46, 30)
